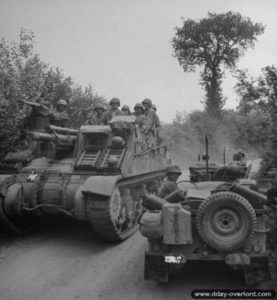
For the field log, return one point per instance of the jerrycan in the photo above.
(176, 225)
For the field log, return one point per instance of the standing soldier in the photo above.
(98, 118)
(157, 124)
(114, 111)
(60, 116)
(126, 110)
(140, 117)
(150, 122)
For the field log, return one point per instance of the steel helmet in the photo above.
(147, 101)
(154, 107)
(118, 141)
(173, 169)
(99, 106)
(115, 100)
(241, 152)
(139, 105)
(125, 107)
(112, 161)
(62, 102)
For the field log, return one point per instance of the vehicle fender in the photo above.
(100, 185)
(6, 180)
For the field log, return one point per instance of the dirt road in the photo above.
(64, 260)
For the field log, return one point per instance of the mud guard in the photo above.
(100, 185)
(6, 181)
(258, 271)
(155, 267)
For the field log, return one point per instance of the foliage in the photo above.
(185, 136)
(259, 96)
(214, 42)
(23, 76)
(252, 127)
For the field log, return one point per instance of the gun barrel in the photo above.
(60, 139)
(62, 130)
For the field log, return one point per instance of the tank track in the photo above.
(103, 212)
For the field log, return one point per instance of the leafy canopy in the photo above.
(214, 42)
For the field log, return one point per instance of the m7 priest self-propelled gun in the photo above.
(95, 174)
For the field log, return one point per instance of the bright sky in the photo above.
(122, 47)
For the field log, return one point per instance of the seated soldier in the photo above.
(126, 110)
(114, 111)
(170, 184)
(239, 158)
(98, 118)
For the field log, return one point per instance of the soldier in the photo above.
(150, 115)
(140, 117)
(170, 185)
(126, 110)
(60, 116)
(99, 117)
(157, 126)
(141, 121)
(157, 120)
(114, 111)
(239, 158)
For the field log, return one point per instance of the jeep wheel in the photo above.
(225, 221)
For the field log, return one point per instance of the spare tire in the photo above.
(226, 221)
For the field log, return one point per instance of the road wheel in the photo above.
(226, 221)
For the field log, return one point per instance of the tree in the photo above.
(248, 91)
(23, 76)
(214, 42)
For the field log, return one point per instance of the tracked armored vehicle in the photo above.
(96, 174)
(215, 221)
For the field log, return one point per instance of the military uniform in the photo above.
(157, 124)
(170, 185)
(94, 119)
(110, 114)
(167, 188)
(59, 118)
(140, 120)
(151, 116)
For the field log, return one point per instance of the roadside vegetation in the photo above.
(24, 76)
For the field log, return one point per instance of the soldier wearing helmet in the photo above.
(98, 118)
(140, 117)
(60, 116)
(150, 115)
(239, 158)
(157, 123)
(170, 184)
(126, 110)
(113, 111)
